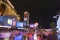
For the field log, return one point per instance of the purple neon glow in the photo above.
(32, 25)
(3, 35)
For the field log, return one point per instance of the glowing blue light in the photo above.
(19, 24)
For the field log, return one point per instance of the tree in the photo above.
(53, 26)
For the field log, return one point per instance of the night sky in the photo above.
(40, 11)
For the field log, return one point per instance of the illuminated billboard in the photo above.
(8, 21)
(19, 24)
(32, 25)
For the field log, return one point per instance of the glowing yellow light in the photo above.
(9, 21)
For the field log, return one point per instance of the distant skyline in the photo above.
(40, 11)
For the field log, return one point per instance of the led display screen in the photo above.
(8, 21)
(19, 24)
(32, 25)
